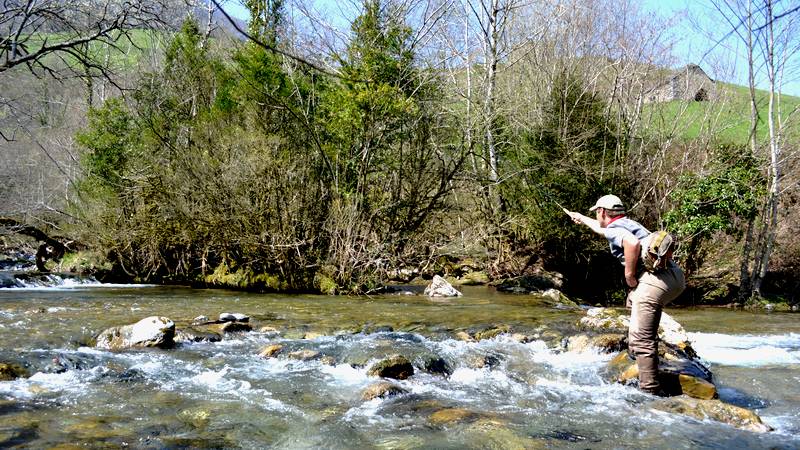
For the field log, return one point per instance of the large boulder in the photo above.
(151, 331)
(606, 320)
(395, 366)
(439, 287)
(713, 410)
(610, 320)
(677, 373)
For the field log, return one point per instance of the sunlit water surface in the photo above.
(223, 395)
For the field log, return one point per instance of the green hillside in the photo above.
(726, 118)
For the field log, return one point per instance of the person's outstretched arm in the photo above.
(585, 220)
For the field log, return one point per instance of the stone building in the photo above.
(689, 83)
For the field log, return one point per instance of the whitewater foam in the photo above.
(747, 350)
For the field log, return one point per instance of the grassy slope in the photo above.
(726, 119)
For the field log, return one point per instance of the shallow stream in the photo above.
(223, 395)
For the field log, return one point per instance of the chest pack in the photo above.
(657, 250)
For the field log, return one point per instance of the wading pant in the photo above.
(653, 292)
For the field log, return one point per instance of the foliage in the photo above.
(255, 173)
(716, 201)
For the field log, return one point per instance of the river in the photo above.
(223, 395)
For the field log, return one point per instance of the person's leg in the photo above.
(643, 334)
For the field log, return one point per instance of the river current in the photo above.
(223, 395)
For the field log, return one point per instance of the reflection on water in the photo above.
(500, 394)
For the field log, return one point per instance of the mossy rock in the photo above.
(491, 332)
(325, 284)
(244, 278)
(10, 372)
(714, 410)
(478, 278)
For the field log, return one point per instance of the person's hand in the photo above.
(631, 281)
(575, 216)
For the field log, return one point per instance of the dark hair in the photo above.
(614, 212)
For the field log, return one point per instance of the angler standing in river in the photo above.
(654, 279)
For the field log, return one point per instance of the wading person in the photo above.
(652, 276)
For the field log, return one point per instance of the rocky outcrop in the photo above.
(714, 410)
(151, 331)
(395, 366)
(382, 389)
(439, 287)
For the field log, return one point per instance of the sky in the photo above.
(697, 34)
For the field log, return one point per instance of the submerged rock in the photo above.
(382, 389)
(714, 410)
(451, 416)
(439, 287)
(395, 366)
(151, 331)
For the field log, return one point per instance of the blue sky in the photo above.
(721, 60)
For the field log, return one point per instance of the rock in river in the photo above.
(395, 366)
(382, 389)
(714, 410)
(439, 287)
(151, 331)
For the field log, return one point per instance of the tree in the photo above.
(769, 31)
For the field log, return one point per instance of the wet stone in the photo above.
(382, 389)
(189, 335)
(10, 372)
(714, 410)
(234, 317)
(270, 351)
(304, 355)
(450, 416)
(395, 366)
(438, 366)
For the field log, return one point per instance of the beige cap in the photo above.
(610, 202)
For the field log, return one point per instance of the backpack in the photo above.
(657, 250)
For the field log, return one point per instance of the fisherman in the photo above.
(651, 288)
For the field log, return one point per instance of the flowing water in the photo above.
(223, 395)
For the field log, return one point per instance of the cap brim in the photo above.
(593, 208)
